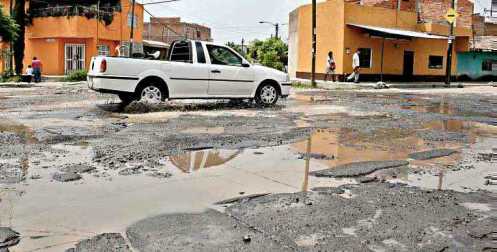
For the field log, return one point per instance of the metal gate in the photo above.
(74, 57)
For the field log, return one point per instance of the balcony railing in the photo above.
(103, 13)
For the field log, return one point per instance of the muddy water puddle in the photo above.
(58, 214)
(53, 215)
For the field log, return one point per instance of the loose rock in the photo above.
(240, 199)
(359, 168)
(425, 155)
(66, 177)
(8, 238)
(108, 242)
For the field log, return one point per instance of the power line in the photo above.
(160, 2)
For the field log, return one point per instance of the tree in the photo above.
(8, 27)
(272, 52)
(237, 48)
(20, 18)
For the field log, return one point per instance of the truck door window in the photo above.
(181, 52)
(200, 53)
(223, 56)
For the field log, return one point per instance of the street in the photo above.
(324, 170)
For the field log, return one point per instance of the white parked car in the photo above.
(194, 70)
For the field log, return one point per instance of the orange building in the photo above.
(402, 42)
(66, 36)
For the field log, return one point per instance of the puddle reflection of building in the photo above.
(305, 185)
(349, 146)
(196, 160)
(8, 200)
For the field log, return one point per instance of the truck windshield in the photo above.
(181, 52)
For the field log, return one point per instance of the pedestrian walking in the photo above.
(356, 65)
(330, 67)
(37, 67)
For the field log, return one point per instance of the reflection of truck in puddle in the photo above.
(197, 160)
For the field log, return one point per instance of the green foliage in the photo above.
(79, 75)
(10, 78)
(271, 52)
(301, 85)
(89, 9)
(8, 27)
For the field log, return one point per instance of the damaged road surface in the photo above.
(362, 170)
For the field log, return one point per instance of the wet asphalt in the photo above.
(417, 170)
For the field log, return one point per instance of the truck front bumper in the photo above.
(285, 89)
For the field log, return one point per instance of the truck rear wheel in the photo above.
(151, 93)
(267, 95)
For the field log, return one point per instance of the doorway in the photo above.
(74, 57)
(408, 65)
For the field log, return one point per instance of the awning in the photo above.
(395, 33)
(155, 44)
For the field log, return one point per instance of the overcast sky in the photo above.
(232, 20)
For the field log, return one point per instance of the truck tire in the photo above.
(267, 95)
(151, 93)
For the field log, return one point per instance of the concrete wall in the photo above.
(293, 43)
(330, 30)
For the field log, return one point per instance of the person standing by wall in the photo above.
(37, 67)
(356, 65)
(330, 67)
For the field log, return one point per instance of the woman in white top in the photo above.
(330, 67)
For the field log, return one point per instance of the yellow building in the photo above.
(411, 50)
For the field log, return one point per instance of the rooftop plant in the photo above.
(87, 8)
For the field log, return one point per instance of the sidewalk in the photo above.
(367, 85)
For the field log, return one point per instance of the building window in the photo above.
(135, 24)
(489, 65)
(103, 50)
(435, 62)
(365, 57)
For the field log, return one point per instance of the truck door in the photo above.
(228, 76)
(188, 73)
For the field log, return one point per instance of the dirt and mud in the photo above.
(350, 170)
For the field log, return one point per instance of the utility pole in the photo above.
(243, 45)
(313, 74)
(277, 27)
(448, 67)
(132, 33)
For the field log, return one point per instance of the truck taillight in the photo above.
(103, 66)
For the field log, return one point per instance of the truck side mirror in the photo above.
(245, 63)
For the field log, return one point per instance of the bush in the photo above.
(79, 75)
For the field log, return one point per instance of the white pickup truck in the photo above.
(194, 70)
